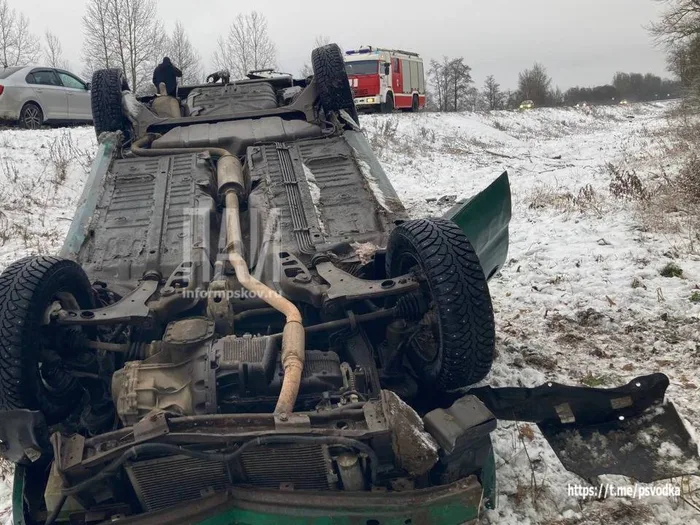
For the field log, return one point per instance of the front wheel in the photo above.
(31, 375)
(388, 104)
(453, 345)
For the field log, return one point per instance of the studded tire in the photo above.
(106, 100)
(460, 321)
(28, 287)
(332, 80)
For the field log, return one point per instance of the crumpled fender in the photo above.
(484, 219)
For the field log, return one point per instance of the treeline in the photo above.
(453, 89)
(633, 87)
(128, 34)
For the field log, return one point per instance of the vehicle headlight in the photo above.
(370, 100)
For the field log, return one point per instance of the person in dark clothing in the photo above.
(167, 73)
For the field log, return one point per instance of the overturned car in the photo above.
(245, 326)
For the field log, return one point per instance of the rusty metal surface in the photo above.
(142, 222)
(150, 427)
(334, 197)
(346, 286)
(131, 308)
(223, 429)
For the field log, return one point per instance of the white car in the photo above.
(35, 95)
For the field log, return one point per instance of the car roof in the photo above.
(24, 70)
(20, 69)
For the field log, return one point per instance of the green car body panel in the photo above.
(455, 504)
(484, 219)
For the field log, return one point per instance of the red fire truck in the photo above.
(385, 79)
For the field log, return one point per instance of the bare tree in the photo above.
(460, 81)
(534, 84)
(473, 100)
(126, 34)
(246, 47)
(139, 37)
(680, 22)
(439, 77)
(18, 46)
(184, 55)
(98, 51)
(451, 80)
(319, 41)
(53, 53)
(306, 71)
(512, 99)
(494, 97)
(678, 30)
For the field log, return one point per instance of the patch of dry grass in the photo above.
(619, 512)
(585, 200)
(25, 200)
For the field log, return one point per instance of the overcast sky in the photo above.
(580, 43)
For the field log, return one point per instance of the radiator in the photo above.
(163, 482)
(305, 467)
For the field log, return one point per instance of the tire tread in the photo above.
(461, 293)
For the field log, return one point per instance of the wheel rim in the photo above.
(424, 342)
(32, 117)
(49, 363)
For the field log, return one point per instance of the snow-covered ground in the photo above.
(42, 174)
(581, 299)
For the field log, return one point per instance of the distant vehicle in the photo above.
(34, 95)
(527, 104)
(386, 79)
(582, 105)
(624, 102)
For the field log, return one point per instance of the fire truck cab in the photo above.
(385, 79)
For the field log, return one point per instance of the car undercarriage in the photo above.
(245, 324)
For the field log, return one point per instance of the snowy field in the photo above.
(581, 300)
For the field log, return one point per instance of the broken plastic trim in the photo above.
(628, 430)
(553, 403)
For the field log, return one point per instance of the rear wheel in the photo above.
(453, 345)
(332, 80)
(106, 100)
(31, 376)
(388, 104)
(31, 116)
(414, 104)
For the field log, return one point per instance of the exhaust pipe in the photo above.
(231, 182)
(293, 335)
